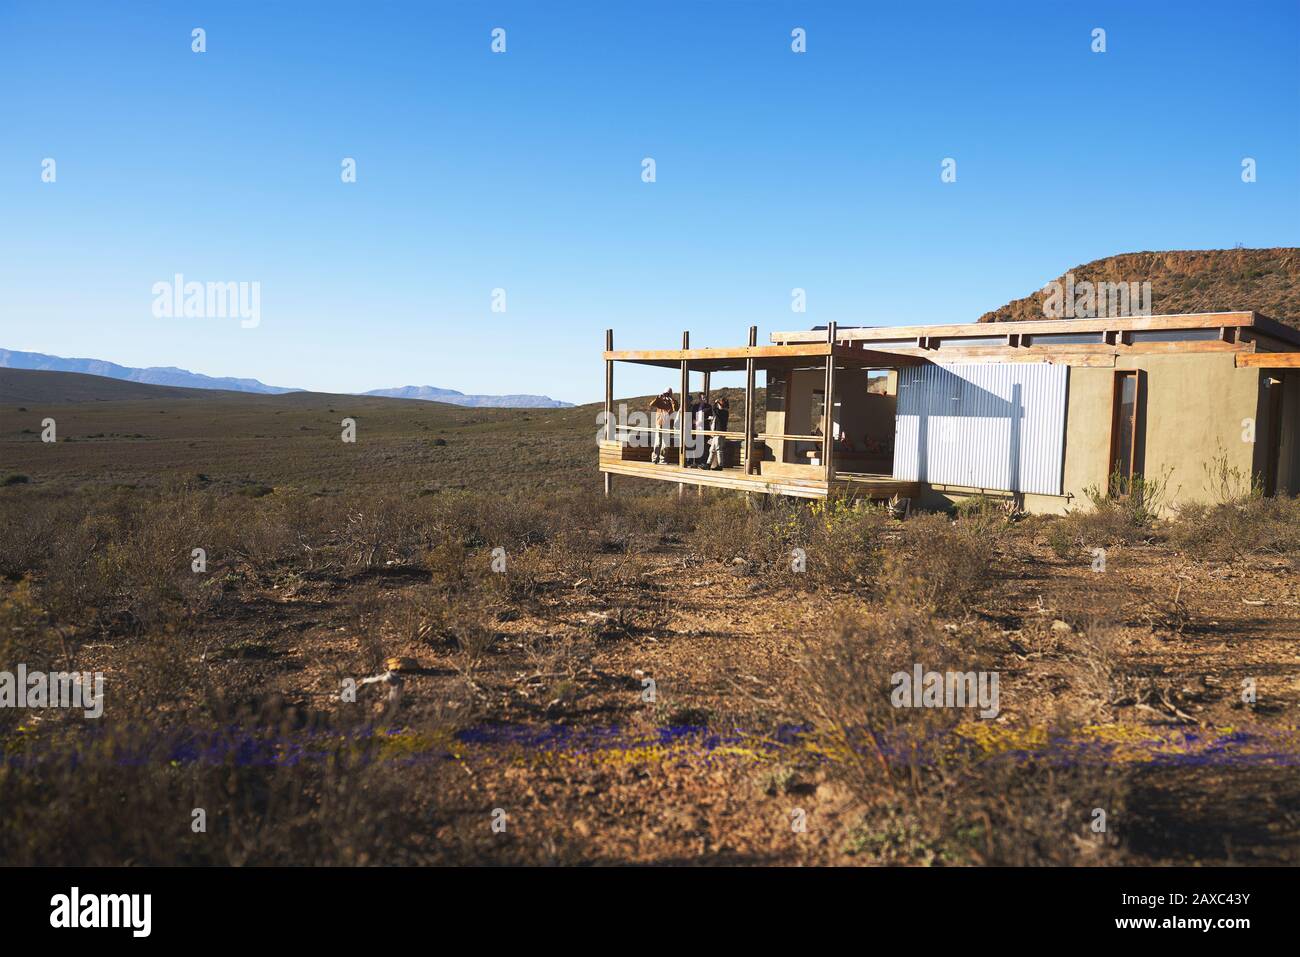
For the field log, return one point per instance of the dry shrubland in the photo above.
(222, 684)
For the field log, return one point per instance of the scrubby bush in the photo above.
(1128, 512)
(272, 791)
(826, 542)
(1241, 521)
(727, 529)
(924, 792)
(942, 565)
(842, 543)
(848, 685)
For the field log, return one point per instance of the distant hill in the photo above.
(1199, 280)
(41, 387)
(154, 375)
(18, 386)
(429, 393)
(184, 379)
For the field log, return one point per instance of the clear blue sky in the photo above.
(523, 171)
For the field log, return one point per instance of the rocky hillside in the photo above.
(1201, 280)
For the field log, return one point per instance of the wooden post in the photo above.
(683, 421)
(708, 400)
(828, 426)
(749, 405)
(611, 434)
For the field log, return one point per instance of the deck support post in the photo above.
(828, 427)
(749, 405)
(708, 400)
(684, 418)
(611, 434)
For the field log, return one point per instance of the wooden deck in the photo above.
(857, 485)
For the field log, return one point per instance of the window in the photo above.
(1064, 338)
(1273, 424)
(1124, 431)
(1173, 335)
(971, 341)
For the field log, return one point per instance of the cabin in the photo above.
(1034, 412)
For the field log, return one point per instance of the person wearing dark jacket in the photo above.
(720, 415)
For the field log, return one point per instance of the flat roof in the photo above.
(1198, 320)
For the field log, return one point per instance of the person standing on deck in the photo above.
(664, 407)
(701, 419)
(720, 415)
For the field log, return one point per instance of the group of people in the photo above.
(706, 416)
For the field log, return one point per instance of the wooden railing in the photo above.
(765, 436)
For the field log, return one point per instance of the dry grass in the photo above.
(942, 565)
(724, 604)
(924, 794)
(1251, 525)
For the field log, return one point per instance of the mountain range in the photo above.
(431, 393)
(183, 378)
(154, 375)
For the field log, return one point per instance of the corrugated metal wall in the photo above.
(999, 426)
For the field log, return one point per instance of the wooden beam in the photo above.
(703, 355)
(877, 358)
(1020, 356)
(1268, 360)
(749, 405)
(735, 358)
(881, 356)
